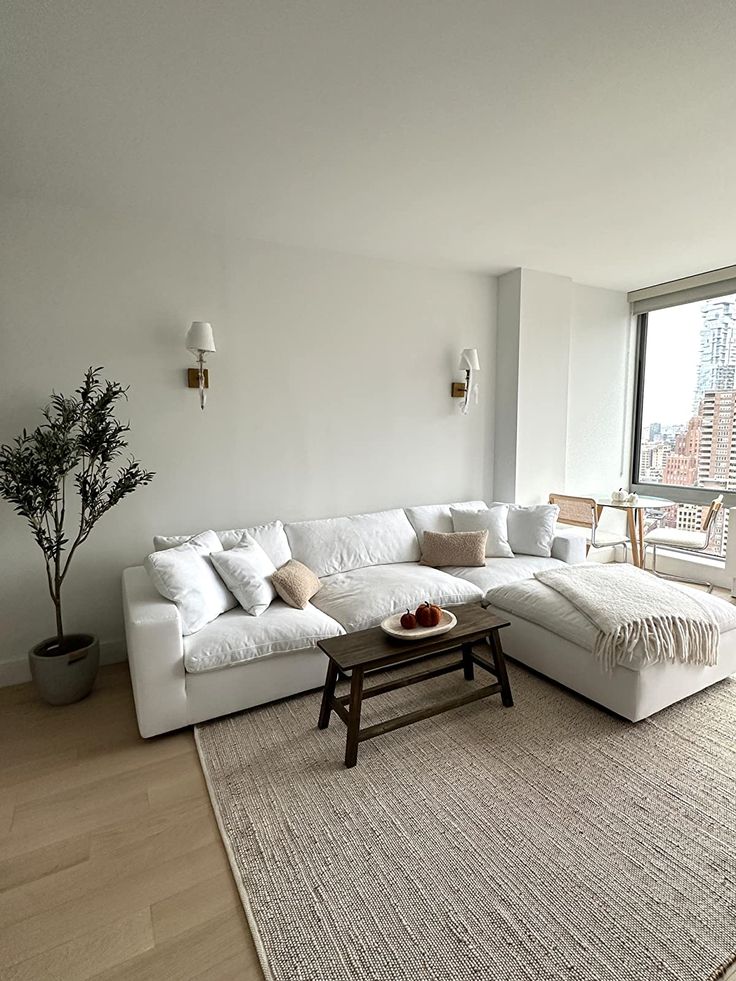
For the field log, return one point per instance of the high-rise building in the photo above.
(652, 460)
(717, 354)
(681, 465)
(689, 517)
(717, 450)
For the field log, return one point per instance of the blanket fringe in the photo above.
(666, 638)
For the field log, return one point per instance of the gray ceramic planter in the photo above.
(64, 677)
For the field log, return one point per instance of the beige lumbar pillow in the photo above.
(454, 548)
(295, 583)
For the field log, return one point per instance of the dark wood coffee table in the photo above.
(369, 650)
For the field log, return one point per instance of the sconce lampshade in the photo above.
(469, 360)
(200, 337)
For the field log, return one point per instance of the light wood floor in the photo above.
(111, 864)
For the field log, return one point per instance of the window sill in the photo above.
(707, 561)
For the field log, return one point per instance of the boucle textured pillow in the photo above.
(495, 521)
(454, 548)
(295, 584)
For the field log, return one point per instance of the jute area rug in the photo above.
(545, 842)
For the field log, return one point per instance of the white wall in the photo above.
(564, 388)
(330, 388)
(600, 400)
(544, 354)
(506, 385)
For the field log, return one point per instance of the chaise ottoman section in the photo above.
(551, 636)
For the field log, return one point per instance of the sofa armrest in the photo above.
(570, 545)
(155, 655)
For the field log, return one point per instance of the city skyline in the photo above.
(688, 432)
(672, 367)
(673, 338)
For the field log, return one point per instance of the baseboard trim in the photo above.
(17, 672)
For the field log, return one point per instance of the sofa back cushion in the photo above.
(270, 537)
(335, 545)
(438, 517)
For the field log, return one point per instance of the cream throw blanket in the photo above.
(630, 607)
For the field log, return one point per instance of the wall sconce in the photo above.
(200, 341)
(468, 363)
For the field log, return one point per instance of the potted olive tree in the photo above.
(75, 452)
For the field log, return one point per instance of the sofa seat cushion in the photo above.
(363, 597)
(235, 637)
(332, 545)
(499, 572)
(534, 601)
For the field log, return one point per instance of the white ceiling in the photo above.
(591, 138)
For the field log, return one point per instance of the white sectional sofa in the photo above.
(368, 567)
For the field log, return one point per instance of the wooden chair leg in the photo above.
(633, 538)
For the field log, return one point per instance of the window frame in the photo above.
(678, 494)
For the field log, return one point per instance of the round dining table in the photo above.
(635, 511)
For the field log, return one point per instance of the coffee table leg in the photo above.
(500, 665)
(468, 662)
(356, 701)
(327, 695)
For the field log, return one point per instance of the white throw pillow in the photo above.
(185, 575)
(270, 537)
(493, 520)
(246, 570)
(438, 517)
(532, 529)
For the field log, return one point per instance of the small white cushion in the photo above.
(270, 537)
(246, 570)
(333, 545)
(438, 517)
(185, 575)
(236, 637)
(531, 529)
(679, 538)
(493, 520)
(363, 597)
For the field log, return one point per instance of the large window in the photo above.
(685, 434)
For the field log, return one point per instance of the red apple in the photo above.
(408, 621)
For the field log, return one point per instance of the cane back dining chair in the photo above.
(684, 541)
(583, 512)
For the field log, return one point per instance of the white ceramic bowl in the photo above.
(392, 626)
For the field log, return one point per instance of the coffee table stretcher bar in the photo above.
(390, 652)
